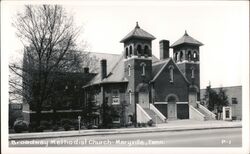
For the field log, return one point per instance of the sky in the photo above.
(223, 28)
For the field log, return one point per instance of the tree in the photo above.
(211, 97)
(216, 101)
(49, 38)
(222, 101)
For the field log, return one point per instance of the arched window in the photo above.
(129, 70)
(192, 72)
(181, 56)
(139, 49)
(126, 53)
(175, 57)
(171, 73)
(130, 96)
(146, 50)
(130, 51)
(189, 56)
(143, 69)
(195, 55)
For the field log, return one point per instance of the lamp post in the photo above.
(79, 123)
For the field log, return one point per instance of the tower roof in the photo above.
(137, 32)
(186, 39)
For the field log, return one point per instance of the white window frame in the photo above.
(129, 70)
(116, 121)
(192, 72)
(115, 97)
(130, 96)
(143, 69)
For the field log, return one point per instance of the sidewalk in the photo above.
(176, 125)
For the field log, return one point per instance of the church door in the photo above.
(143, 99)
(192, 98)
(172, 109)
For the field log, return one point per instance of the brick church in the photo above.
(147, 87)
(136, 87)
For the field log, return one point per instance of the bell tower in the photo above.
(186, 54)
(138, 63)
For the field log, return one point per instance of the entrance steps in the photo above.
(155, 118)
(201, 113)
(206, 115)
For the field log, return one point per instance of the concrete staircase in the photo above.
(207, 116)
(156, 119)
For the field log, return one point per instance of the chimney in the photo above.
(164, 49)
(86, 70)
(103, 68)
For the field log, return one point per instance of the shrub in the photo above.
(40, 128)
(66, 121)
(139, 124)
(46, 124)
(66, 127)
(150, 123)
(143, 124)
(32, 127)
(55, 127)
(20, 125)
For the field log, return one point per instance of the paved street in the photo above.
(228, 137)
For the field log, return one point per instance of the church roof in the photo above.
(158, 67)
(115, 69)
(187, 40)
(137, 32)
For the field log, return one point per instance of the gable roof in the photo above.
(115, 73)
(112, 59)
(187, 40)
(137, 32)
(115, 68)
(158, 67)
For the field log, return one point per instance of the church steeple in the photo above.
(186, 49)
(186, 54)
(137, 43)
(137, 25)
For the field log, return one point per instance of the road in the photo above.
(229, 137)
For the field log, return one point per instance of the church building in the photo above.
(135, 87)
(144, 87)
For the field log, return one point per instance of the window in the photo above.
(192, 73)
(234, 100)
(139, 49)
(126, 53)
(143, 69)
(195, 55)
(181, 56)
(176, 56)
(130, 51)
(129, 70)
(130, 96)
(146, 51)
(171, 71)
(189, 56)
(115, 97)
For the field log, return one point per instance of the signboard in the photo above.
(227, 113)
(116, 100)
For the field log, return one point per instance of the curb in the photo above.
(112, 132)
